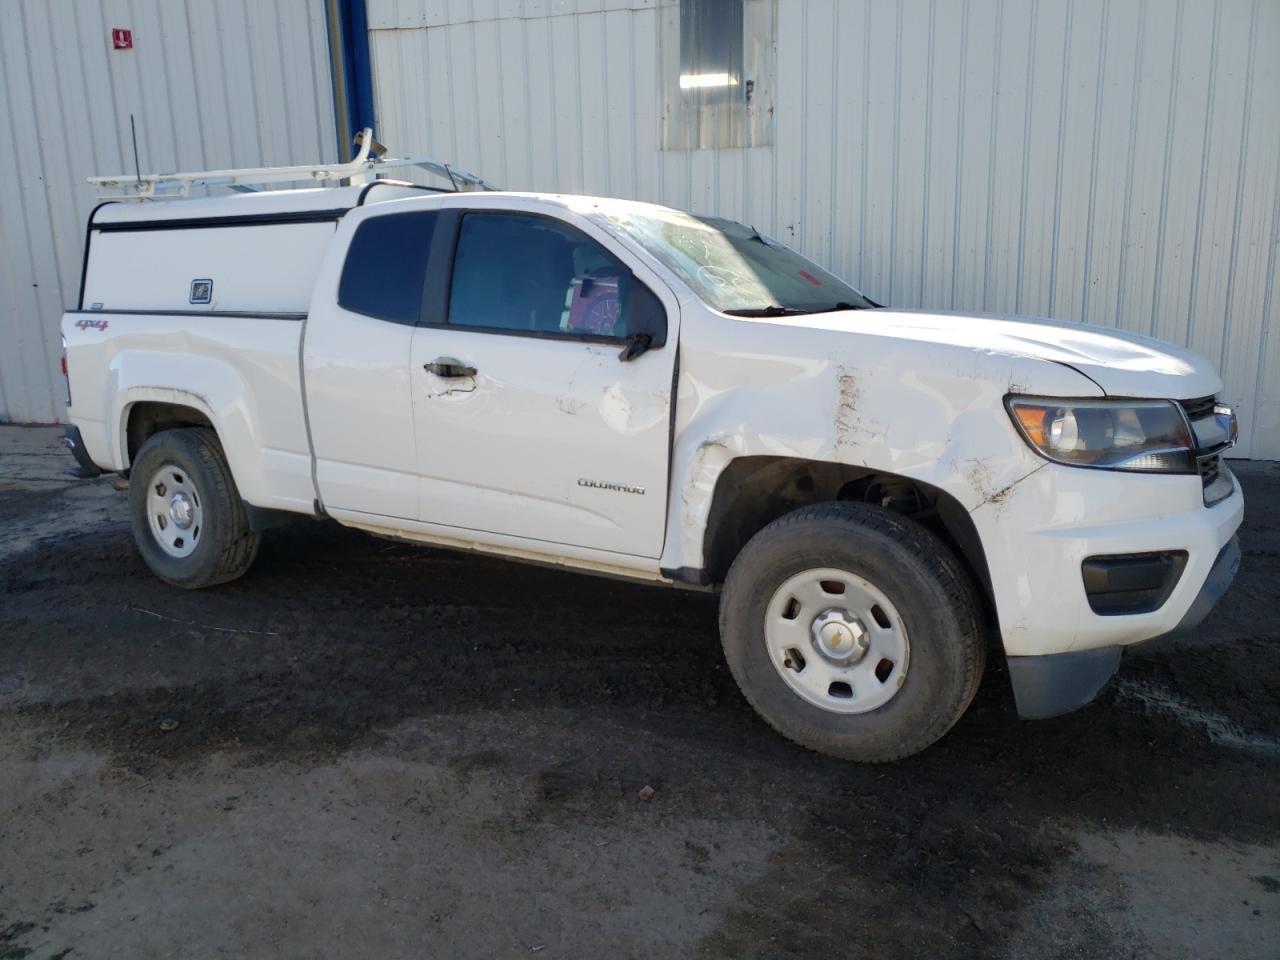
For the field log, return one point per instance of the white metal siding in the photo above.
(212, 83)
(1116, 162)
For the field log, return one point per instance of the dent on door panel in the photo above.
(559, 441)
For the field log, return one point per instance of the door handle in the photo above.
(449, 368)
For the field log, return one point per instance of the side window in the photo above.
(386, 266)
(538, 276)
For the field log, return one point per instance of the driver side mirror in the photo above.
(646, 320)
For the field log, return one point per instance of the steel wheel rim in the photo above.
(175, 511)
(837, 641)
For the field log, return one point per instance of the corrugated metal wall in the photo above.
(1116, 162)
(212, 83)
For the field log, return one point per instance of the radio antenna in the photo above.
(133, 128)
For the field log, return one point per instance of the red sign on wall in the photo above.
(121, 39)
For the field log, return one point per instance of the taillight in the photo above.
(65, 376)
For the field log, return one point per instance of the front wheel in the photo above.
(853, 631)
(188, 520)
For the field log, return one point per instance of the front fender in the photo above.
(934, 414)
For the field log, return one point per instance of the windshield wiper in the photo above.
(773, 310)
(843, 305)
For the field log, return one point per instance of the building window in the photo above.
(717, 61)
(711, 49)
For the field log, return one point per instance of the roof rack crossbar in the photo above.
(360, 169)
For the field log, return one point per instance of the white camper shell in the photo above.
(254, 253)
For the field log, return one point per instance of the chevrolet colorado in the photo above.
(629, 390)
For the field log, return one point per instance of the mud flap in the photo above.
(85, 468)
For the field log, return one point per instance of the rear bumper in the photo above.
(1057, 683)
(85, 468)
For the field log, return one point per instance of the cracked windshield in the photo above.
(736, 269)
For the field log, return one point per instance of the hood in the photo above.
(1123, 364)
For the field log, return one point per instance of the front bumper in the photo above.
(1042, 531)
(1053, 684)
(1223, 571)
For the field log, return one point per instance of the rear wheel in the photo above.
(188, 520)
(853, 631)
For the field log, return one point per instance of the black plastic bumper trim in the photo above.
(1057, 683)
(1120, 584)
(1224, 569)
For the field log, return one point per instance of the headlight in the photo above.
(1150, 436)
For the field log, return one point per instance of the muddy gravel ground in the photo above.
(370, 749)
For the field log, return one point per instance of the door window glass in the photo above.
(386, 266)
(536, 275)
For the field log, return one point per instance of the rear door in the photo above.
(356, 371)
(529, 422)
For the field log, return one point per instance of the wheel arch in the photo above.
(143, 418)
(753, 491)
(145, 410)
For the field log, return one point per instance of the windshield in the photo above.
(735, 269)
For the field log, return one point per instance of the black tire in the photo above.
(225, 547)
(916, 571)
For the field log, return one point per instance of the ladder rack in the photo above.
(362, 168)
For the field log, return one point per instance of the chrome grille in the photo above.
(1200, 407)
(1215, 478)
(1213, 429)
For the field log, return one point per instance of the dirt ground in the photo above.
(369, 749)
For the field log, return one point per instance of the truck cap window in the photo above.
(386, 266)
(735, 269)
(536, 275)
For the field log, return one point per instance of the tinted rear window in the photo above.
(386, 266)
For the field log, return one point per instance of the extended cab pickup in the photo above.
(622, 388)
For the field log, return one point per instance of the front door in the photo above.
(529, 423)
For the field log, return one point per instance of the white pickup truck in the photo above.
(625, 389)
